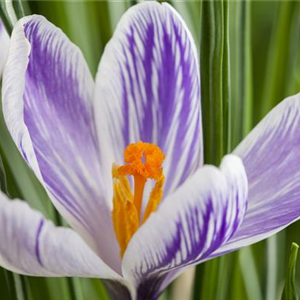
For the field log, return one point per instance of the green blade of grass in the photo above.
(241, 71)
(7, 16)
(215, 93)
(289, 292)
(214, 73)
(277, 66)
(250, 276)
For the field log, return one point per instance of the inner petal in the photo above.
(143, 161)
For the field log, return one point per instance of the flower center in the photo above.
(143, 161)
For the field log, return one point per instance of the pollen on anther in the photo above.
(143, 159)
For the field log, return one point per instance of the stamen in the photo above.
(154, 200)
(125, 216)
(139, 185)
(143, 161)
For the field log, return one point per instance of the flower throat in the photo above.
(143, 161)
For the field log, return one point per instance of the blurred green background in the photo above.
(250, 60)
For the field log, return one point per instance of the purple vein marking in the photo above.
(37, 242)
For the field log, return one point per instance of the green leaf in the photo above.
(3, 183)
(18, 8)
(289, 292)
(7, 285)
(249, 272)
(241, 70)
(93, 289)
(7, 15)
(293, 73)
(116, 10)
(272, 264)
(215, 93)
(214, 61)
(277, 66)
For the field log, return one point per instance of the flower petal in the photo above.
(47, 92)
(32, 245)
(192, 223)
(148, 89)
(271, 155)
(4, 42)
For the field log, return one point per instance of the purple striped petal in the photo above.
(148, 89)
(4, 45)
(31, 245)
(191, 224)
(271, 155)
(47, 92)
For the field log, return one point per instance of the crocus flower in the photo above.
(4, 45)
(121, 159)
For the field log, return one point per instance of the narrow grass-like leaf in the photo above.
(18, 8)
(225, 276)
(7, 285)
(206, 280)
(274, 264)
(93, 289)
(6, 18)
(241, 71)
(277, 67)
(214, 61)
(293, 73)
(215, 93)
(3, 183)
(250, 276)
(236, 288)
(48, 288)
(290, 292)
(21, 287)
(116, 10)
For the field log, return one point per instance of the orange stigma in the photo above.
(143, 161)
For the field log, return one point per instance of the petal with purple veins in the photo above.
(148, 89)
(47, 93)
(271, 155)
(191, 224)
(32, 245)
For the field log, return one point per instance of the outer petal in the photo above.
(271, 155)
(148, 89)
(34, 246)
(4, 45)
(47, 89)
(192, 223)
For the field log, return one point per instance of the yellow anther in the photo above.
(125, 216)
(143, 161)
